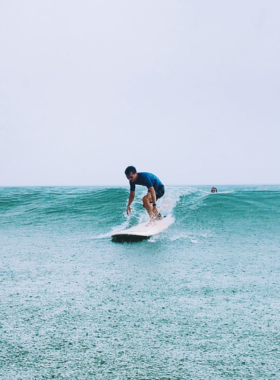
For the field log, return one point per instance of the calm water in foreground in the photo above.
(199, 301)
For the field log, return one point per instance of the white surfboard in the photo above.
(143, 230)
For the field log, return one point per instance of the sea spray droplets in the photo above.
(77, 307)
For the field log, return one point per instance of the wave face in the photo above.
(65, 206)
(198, 301)
(237, 211)
(103, 209)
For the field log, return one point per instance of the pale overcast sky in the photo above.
(186, 89)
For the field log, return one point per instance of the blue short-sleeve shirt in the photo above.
(146, 179)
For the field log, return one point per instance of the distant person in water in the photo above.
(214, 190)
(154, 186)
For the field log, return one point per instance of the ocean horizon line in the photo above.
(167, 184)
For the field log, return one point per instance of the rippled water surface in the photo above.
(199, 301)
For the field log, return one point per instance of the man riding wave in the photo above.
(154, 186)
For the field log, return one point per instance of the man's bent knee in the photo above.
(145, 201)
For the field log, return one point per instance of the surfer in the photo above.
(154, 186)
(214, 190)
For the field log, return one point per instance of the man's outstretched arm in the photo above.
(130, 200)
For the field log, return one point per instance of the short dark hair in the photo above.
(130, 169)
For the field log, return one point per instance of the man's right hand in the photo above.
(130, 200)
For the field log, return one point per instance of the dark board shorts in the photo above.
(160, 192)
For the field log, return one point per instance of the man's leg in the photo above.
(147, 203)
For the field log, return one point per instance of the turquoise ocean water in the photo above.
(199, 301)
